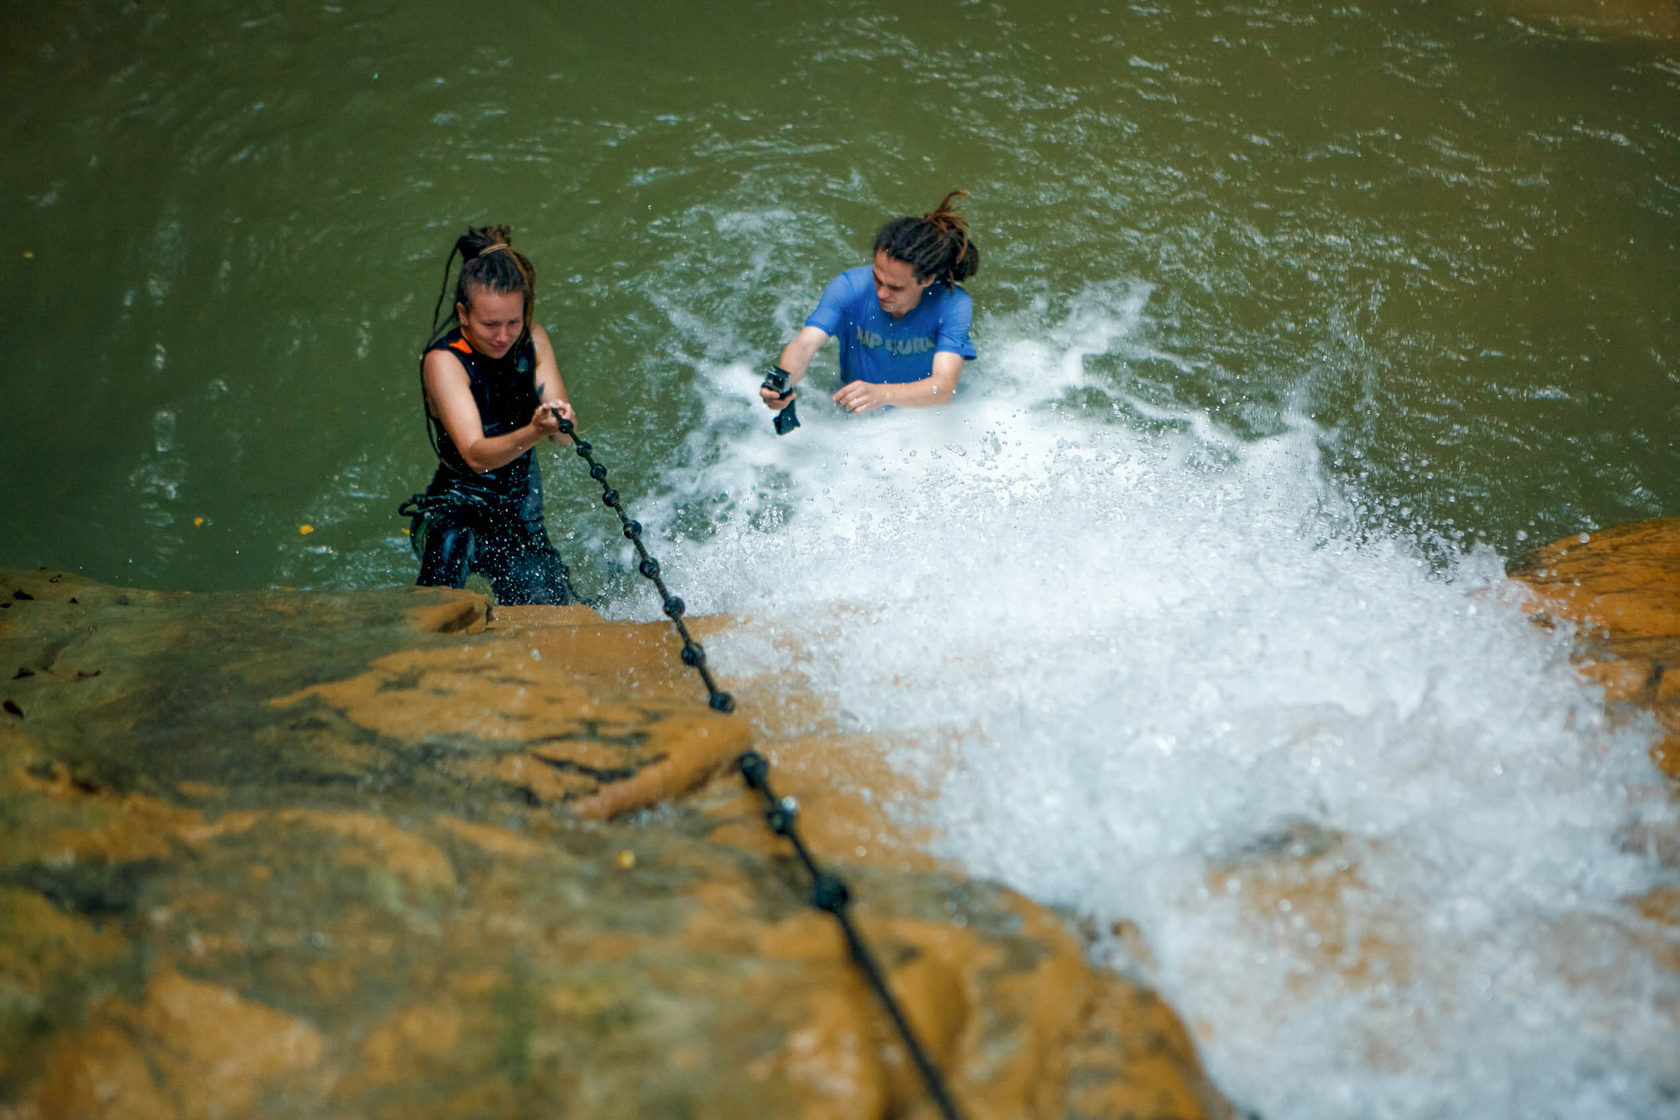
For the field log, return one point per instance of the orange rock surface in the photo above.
(1621, 588)
(395, 854)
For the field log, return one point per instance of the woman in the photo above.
(902, 321)
(492, 392)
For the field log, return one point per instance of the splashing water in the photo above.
(1352, 812)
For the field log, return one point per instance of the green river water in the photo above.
(1443, 234)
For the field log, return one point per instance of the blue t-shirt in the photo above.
(877, 348)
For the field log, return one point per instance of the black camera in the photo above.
(777, 382)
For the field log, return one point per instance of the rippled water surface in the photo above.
(1295, 320)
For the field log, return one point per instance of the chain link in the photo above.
(829, 892)
(693, 654)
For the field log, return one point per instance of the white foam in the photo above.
(1162, 652)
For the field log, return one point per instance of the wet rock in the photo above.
(1620, 588)
(1320, 909)
(392, 854)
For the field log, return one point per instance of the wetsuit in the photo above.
(490, 523)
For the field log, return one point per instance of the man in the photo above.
(902, 321)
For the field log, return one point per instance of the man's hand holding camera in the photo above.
(777, 393)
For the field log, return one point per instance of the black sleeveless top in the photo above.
(506, 395)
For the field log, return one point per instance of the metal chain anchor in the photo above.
(829, 892)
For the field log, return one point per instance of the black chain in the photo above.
(829, 892)
(693, 655)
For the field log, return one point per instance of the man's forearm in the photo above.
(930, 392)
(796, 355)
